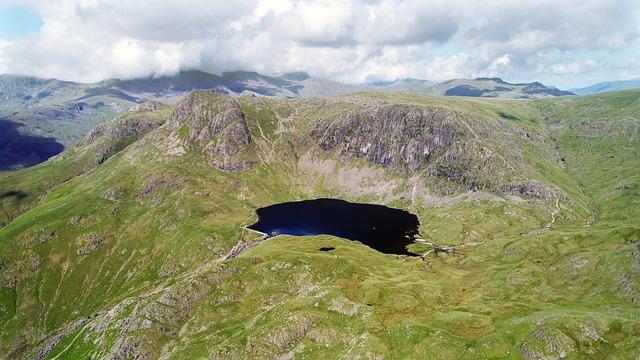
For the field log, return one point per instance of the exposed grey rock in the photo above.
(133, 323)
(149, 105)
(111, 137)
(529, 354)
(74, 220)
(167, 181)
(208, 241)
(35, 262)
(399, 137)
(111, 194)
(530, 188)
(437, 143)
(92, 241)
(169, 268)
(344, 306)
(560, 345)
(591, 333)
(42, 236)
(295, 329)
(241, 246)
(121, 128)
(127, 348)
(214, 123)
(51, 344)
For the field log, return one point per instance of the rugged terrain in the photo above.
(131, 243)
(40, 117)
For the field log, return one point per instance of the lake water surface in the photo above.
(382, 228)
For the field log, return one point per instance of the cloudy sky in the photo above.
(566, 43)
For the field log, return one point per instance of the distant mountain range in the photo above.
(608, 86)
(479, 87)
(19, 91)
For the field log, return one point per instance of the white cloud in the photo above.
(576, 67)
(410, 22)
(90, 40)
(4, 67)
(498, 65)
(315, 23)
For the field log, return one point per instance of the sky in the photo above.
(570, 43)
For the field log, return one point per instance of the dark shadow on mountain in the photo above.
(466, 90)
(19, 150)
(15, 194)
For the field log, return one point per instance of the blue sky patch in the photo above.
(17, 21)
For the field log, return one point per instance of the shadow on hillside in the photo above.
(18, 150)
(19, 195)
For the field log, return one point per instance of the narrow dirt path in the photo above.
(554, 214)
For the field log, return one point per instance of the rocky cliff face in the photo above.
(213, 123)
(133, 124)
(395, 136)
(435, 143)
(442, 146)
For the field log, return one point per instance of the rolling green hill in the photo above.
(131, 244)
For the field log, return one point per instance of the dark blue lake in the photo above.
(382, 228)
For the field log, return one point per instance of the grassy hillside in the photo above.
(22, 189)
(124, 253)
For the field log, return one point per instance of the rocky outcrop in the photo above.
(437, 144)
(111, 137)
(91, 241)
(147, 106)
(213, 123)
(55, 339)
(111, 195)
(126, 330)
(395, 136)
(531, 188)
(133, 124)
(165, 182)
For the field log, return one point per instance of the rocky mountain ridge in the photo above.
(62, 112)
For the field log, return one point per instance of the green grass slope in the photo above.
(20, 190)
(128, 257)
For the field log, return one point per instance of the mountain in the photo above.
(44, 116)
(496, 87)
(479, 87)
(132, 243)
(403, 85)
(48, 115)
(609, 86)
